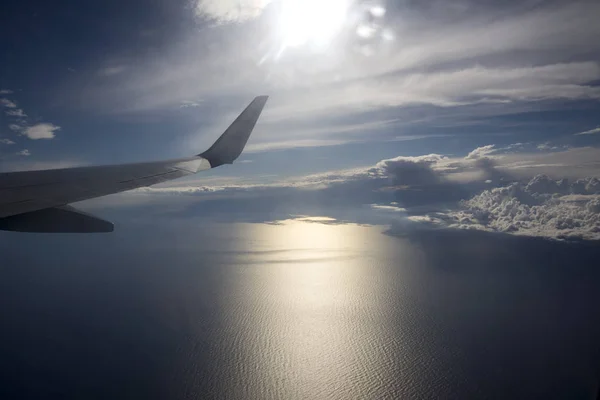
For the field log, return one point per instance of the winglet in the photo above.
(231, 143)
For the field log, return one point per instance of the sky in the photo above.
(417, 114)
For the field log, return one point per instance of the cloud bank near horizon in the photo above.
(519, 193)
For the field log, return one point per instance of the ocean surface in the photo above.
(297, 310)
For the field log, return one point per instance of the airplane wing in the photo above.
(37, 201)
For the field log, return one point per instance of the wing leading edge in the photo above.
(23, 195)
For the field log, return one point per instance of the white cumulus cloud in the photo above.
(540, 207)
(41, 131)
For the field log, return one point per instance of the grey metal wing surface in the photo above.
(37, 201)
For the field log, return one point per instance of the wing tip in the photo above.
(231, 143)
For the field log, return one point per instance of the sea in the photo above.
(305, 308)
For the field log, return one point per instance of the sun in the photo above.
(311, 21)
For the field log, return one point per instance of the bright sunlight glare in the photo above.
(315, 21)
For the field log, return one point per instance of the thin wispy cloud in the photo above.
(8, 103)
(481, 152)
(227, 11)
(17, 112)
(6, 141)
(24, 152)
(112, 70)
(590, 132)
(299, 137)
(16, 127)
(190, 104)
(498, 54)
(451, 89)
(292, 144)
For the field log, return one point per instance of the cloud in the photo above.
(190, 104)
(112, 70)
(590, 132)
(290, 144)
(436, 68)
(474, 85)
(5, 91)
(6, 141)
(572, 163)
(299, 135)
(224, 11)
(432, 190)
(7, 103)
(433, 60)
(41, 131)
(540, 207)
(23, 152)
(392, 208)
(493, 152)
(549, 147)
(409, 170)
(481, 152)
(17, 112)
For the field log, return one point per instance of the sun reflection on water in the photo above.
(312, 300)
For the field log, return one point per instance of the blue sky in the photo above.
(350, 84)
